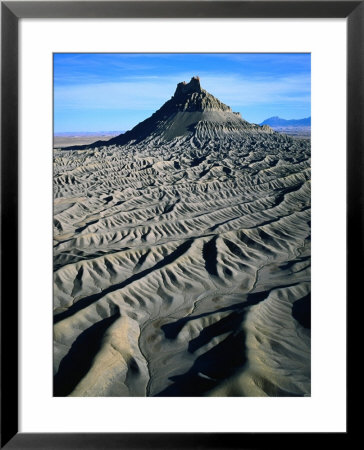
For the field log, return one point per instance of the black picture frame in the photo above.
(11, 12)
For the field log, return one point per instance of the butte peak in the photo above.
(189, 88)
(191, 97)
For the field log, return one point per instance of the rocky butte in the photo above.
(190, 111)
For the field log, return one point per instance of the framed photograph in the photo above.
(156, 168)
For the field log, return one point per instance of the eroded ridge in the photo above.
(182, 259)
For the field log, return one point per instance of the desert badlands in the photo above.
(182, 258)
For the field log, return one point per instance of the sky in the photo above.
(116, 91)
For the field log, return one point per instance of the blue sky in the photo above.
(110, 91)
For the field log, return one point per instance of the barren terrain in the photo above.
(182, 258)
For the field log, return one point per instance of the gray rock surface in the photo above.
(182, 258)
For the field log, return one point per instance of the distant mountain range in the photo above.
(278, 122)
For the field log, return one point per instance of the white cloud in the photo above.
(244, 92)
(151, 92)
